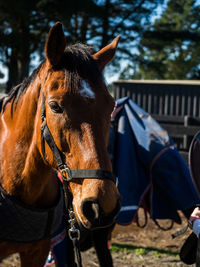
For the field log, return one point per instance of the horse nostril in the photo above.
(91, 210)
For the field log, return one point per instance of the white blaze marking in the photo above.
(86, 91)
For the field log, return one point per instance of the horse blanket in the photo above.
(22, 223)
(149, 168)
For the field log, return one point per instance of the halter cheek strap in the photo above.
(66, 173)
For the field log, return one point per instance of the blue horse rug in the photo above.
(148, 166)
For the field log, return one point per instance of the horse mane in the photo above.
(15, 93)
(78, 63)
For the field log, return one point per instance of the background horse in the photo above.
(57, 119)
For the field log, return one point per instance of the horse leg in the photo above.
(100, 239)
(36, 255)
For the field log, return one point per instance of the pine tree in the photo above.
(170, 49)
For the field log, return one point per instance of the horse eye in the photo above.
(55, 107)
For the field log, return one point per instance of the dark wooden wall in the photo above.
(163, 98)
(174, 104)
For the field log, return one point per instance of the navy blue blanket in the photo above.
(145, 161)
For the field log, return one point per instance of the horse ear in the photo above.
(55, 44)
(106, 54)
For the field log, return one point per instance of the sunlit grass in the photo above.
(141, 251)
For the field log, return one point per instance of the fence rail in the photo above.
(163, 97)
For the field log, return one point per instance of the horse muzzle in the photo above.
(96, 218)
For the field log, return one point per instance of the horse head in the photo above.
(75, 115)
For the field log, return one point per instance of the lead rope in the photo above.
(74, 235)
(73, 231)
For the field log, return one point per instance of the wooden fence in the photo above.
(174, 104)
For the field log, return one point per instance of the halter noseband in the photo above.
(66, 173)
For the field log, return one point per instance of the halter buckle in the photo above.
(66, 173)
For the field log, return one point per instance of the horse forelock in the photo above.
(79, 65)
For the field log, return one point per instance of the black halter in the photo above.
(66, 173)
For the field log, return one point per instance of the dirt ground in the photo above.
(152, 246)
(133, 246)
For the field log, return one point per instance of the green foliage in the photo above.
(170, 49)
(21, 29)
(140, 251)
(25, 24)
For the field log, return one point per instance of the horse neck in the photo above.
(23, 172)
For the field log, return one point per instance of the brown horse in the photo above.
(67, 98)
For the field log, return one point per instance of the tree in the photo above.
(20, 32)
(170, 49)
(25, 24)
(126, 18)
